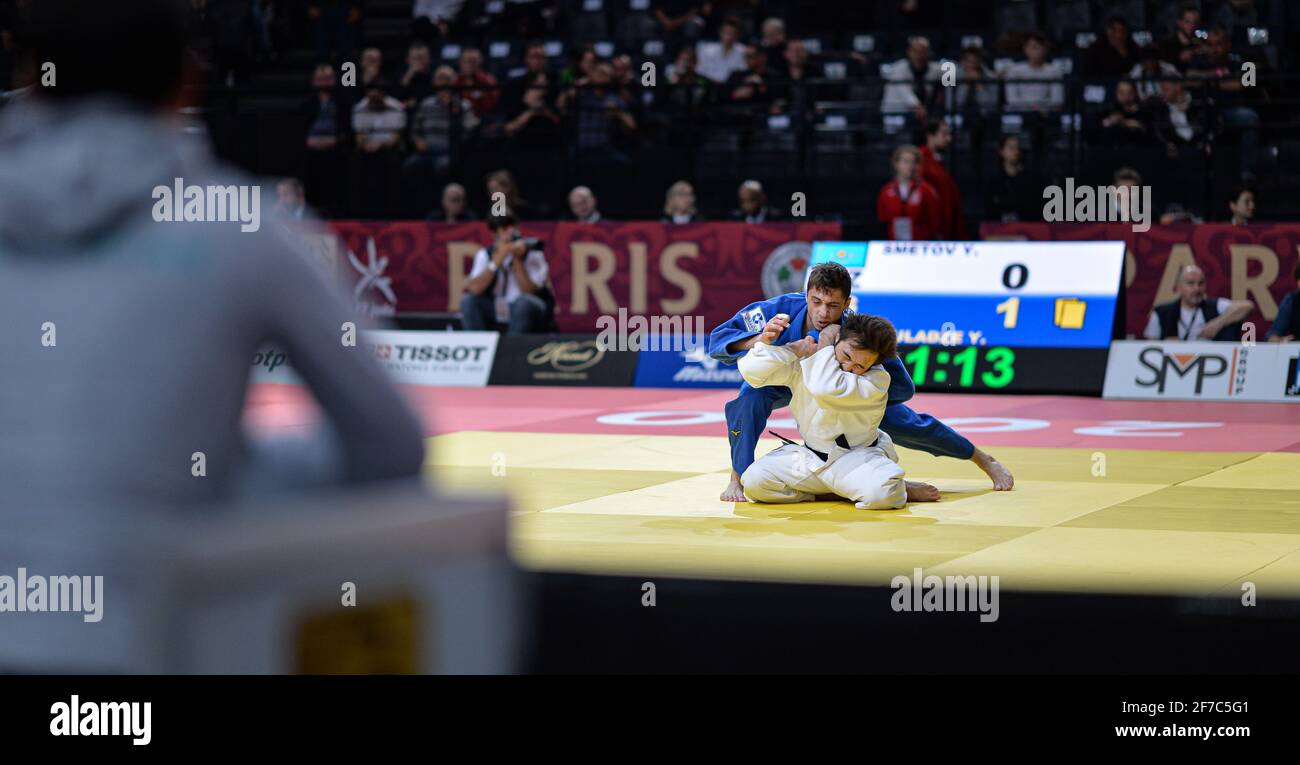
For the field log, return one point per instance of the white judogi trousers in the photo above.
(868, 475)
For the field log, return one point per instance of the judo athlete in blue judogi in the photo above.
(792, 317)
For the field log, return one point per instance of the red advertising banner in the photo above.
(648, 268)
(1255, 263)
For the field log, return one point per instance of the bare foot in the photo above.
(921, 492)
(1002, 479)
(734, 491)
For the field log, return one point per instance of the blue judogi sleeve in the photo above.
(751, 319)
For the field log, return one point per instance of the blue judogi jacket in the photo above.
(749, 321)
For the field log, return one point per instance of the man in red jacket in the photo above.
(938, 137)
(910, 206)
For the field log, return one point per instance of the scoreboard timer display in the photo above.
(1014, 316)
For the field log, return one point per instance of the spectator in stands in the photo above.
(679, 204)
(1126, 176)
(290, 200)
(507, 284)
(681, 107)
(482, 92)
(750, 86)
(1014, 193)
(372, 67)
(1180, 121)
(1237, 16)
(1286, 325)
(913, 82)
(379, 120)
(717, 60)
(335, 24)
(908, 205)
(603, 117)
(416, 83)
(327, 127)
(1048, 95)
(579, 70)
(1115, 53)
(1241, 205)
(773, 41)
(753, 205)
(1187, 40)
(438, 124)
(582, 203)
(537, 126)
(976, 94)
(454, 209)
(791, 93)
(684, 73)
(1235, 101)
(622, 76)
(680, 18)
(938, 137)
(263, 18)
(534, 73)
(1125, 122)
(624, 81)
(1149, 72)
(502, 190)
(434, 19)
(1193, 316)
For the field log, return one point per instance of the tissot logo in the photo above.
(1203, 365)
(567, 356)
(386, 352)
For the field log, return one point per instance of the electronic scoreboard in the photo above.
(991, 316)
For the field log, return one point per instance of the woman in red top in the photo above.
(908, 204)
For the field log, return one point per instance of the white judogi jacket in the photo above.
(826, 401)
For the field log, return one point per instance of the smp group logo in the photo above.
(1190, 372)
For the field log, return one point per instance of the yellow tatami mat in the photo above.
(1151, 521)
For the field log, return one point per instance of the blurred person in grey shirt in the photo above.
(125, 342)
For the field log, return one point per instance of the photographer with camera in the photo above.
(508, 284)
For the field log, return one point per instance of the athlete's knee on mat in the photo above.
(887, 494)
(762, 486)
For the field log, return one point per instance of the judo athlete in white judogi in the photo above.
(839, 393)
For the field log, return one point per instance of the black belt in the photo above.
(840, 441)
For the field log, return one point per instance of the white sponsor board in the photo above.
(1203, 371)
(413, 358)
(434, 358)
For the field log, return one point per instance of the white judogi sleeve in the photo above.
(833, 388)
(769, 365)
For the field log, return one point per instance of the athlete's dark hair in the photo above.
(132, 49)
(830, 276)
(871, 333)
